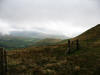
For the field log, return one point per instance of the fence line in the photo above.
(3, 62)
(72, 46)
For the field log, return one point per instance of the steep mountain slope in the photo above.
(91, 34)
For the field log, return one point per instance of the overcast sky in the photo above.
(68, 17)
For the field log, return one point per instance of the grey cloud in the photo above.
(81, 14)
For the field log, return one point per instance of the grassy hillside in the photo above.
(92, 34)
(53, 60)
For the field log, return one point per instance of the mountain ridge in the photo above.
(90, 34)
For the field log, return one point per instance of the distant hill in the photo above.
(47, 41)
(12, 42)
(34, 34)
(23, 39)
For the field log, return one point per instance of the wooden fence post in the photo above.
(69, 45)
(77, 44)
(3, 62)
